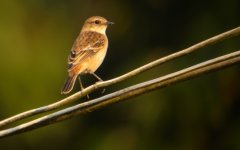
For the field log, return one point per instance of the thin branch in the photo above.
(127, 93)
(92, 88)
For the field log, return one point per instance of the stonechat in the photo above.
(88, 51)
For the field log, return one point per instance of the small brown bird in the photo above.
(88, 51)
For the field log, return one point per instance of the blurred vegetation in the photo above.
(203, 113)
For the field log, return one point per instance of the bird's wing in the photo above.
(87, 44)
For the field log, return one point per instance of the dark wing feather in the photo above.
(86, 45)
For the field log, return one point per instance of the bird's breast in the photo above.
(96, 60)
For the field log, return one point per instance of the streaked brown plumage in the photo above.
(88, 51)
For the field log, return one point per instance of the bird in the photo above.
(87, 52)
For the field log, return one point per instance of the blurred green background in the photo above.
(199, 114)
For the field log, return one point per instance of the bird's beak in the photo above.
(110, 23)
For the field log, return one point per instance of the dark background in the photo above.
(199, 114)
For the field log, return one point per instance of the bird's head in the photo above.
(97, 24)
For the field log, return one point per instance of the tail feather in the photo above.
(68, 85)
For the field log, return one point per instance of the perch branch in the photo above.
(92, 88)
(132, 91)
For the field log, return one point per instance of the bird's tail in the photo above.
(69, 83)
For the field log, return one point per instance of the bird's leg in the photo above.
(81, 86)
(96, 76)
(99, 79)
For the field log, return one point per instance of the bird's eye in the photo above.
(97, 21)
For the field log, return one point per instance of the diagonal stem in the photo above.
(132, 91)
(92, 88)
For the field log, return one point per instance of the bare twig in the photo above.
(86, 91)
(133, 91)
